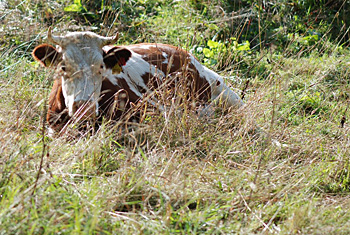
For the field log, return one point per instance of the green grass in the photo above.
(177, 173)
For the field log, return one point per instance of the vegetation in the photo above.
(176, 172)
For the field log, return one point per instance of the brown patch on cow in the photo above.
(132, 96)
(151, 81)
(200, 87)
(57, 114)
(154, 54)
(115, 100)
(107, 95)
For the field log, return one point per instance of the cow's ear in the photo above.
(115, 58)
(46, 54)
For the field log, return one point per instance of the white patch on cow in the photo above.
(165, 55)
(132, 73)
(68, 99)
(219, 90)
(107, 48)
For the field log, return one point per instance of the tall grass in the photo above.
(176, 172)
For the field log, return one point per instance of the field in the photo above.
(278, 165)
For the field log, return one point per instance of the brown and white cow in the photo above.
(92, 76)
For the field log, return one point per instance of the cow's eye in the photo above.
(101, 66)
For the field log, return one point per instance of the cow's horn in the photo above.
(53, 39)
(109, 40)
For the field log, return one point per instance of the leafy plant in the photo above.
(219, 53)
(76, 7)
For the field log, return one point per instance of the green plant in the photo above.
(76, 7)
(220, 54)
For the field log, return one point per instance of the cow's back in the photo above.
(154, 66)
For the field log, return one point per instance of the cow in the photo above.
(96, 79)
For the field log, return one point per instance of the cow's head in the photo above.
(81, 64)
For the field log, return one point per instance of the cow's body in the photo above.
(139, 73)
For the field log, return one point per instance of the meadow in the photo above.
(177, 172)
